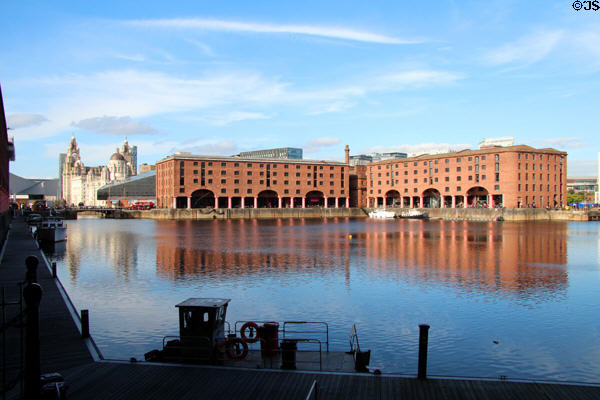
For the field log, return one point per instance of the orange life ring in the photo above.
(236, 348)
(253, 327)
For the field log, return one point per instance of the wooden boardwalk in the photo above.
(109, 380)
(63, 351)
(61, 346)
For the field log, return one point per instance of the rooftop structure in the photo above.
(283, 153)
(135, 188)
(497, 142)
(364, 159)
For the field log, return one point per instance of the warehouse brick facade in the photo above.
(511, 177)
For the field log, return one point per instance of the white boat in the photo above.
(412, 213)
(51, 230)
(382, 214)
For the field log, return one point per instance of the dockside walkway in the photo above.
(90, 377)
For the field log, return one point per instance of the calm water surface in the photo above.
(519, 300)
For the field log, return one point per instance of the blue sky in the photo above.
(225, 77)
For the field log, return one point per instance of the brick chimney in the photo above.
(347, 150)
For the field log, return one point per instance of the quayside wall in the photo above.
(248, 213)
(506, 214)
(469, 214)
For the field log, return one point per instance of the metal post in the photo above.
(32, 294)
(54, 269)
(31, 263)
(85, 324)
(423, 338)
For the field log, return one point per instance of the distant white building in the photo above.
(497, 142)
(80, 183)
(364, 159)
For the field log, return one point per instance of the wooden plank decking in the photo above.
(61, 346)
(109, 380)
(63, 350)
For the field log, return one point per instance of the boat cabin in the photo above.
(201, 319)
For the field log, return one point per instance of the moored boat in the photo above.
(51, 230)
(382, 214)
(412, 213)
(206, 338)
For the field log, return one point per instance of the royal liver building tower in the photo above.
(80, 183)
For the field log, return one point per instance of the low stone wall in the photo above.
(507, 214)
(248, 213)
(468, 214)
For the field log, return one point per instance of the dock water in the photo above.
(88, 376)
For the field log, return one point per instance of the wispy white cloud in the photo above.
(114, 125)
(131, 57)
(137, 94)
(418, 78)
(317, 144)
(16, 121)
(206, 49)
(526, 50)
(335, 107)
(587, 47)
(418, 149)
(237, 26)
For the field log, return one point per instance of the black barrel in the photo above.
(288, 354)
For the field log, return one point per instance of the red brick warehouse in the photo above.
(514, 176)
(188, 181)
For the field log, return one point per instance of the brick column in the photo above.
(421, 202)
(443, 203)
(304, 202)
(189, 203)
(243, 202)
(174, 202)
(228, 201)
(292, 202)
(337, 202)
(453, 201)
(347, 202)
(325, 202)
(279, 201)
(412, 203)
(255, 202)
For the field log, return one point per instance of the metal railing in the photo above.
(324, 331)
(311, 333)
(354, 345)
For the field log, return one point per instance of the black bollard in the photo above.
(31, 263)
(54, 269)
(423, 338)
(32, 293)
(85, 324)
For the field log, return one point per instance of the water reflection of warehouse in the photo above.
(521, 259)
